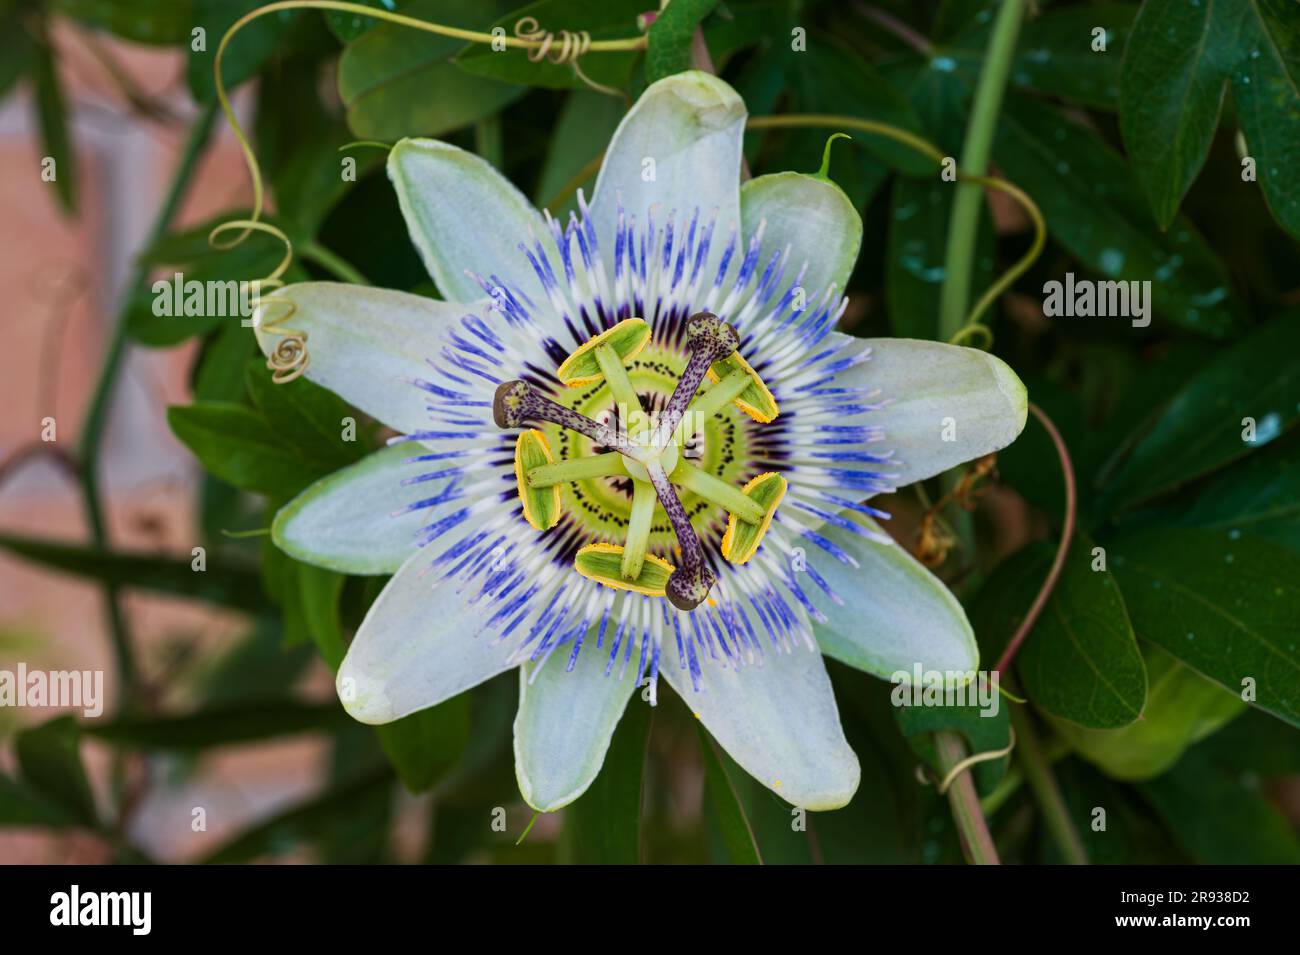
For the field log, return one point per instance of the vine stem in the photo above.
(92, 431)
(965, 803)
(960, 256)
(1038, 773)
(1067, 533)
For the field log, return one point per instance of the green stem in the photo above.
(333, 263)
(577, 469)
(710, 403)
(964, 801)
(1038, 773)
(91, 439)
(611, 366)
(717, 491)
(639, 523)
(958, 265)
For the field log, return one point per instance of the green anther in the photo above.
(616, 377)
(638, 529)
(577, 469)
(716, 491)
(711, 402)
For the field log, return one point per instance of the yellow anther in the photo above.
(583, 367)
(742, 538)
(542, 507)
(603, 563)
(756, 400)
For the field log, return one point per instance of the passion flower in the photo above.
(633, 445)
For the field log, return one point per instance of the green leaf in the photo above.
(1260, 496)
(220, 372)
(604, 826)
(222, 583)
(1202, 428)
(1266, 89)
(1182, 707)
(918, 236)
(252, 46)
(1081, 661)
(1172, 88)
(983, 734)
(1177, 68)
(722, 807)
(1219, 818)
(608, 20)
(20, 806)
(49, 756)
(585, 125)
(237, 445)
(52, 116)
(668, 49)
(1256, 743)
(1095, 209)
(18, 49)
(396, 81)
(425, 746)
(308, 416)
(1055, 54)
(224, 725)
(348, 26)
(318, 596)
(1226, 604)
(144, 21)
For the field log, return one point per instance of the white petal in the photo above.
(366, 344)
(812, 216)
(345, 521)
(422, 642)
(895, 613)
(937, 391)
(779, 722)
(678, 147)
(464, 215)
(565, 723)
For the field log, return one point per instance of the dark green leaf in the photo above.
(425, 746)
(306, 415)
(1203, 428)
(18, 49)
(144, 21)
(348, 26)
(1094, 207)
(604, 826)
(220, 726)
(318, 595)
(20, 806)
(723, 807)
(669, 38)
(220, 584)
(1260, 496)
(1055, 53)
(918, 236)
(1080, 662)
(396, 81)
(1177, 68)
(1172, 86)
(50, 758)
(220, 374)
(1219, 818)
(248, 49)
(1226, 604)
(1182, 707)
(52, 115)
(583, 130)
(237, 445)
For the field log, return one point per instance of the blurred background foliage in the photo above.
(1133, 675)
